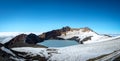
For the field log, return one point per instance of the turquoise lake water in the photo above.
(58, 43)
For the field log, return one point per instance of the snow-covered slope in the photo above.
(7, 51)
(33, 51)
(86, 51)
(83, 33)
(80, 52)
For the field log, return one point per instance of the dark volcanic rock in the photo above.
(4, 56)
(117, 59)
(74, 38)
(18, 40)
(54, 33)
(87, 38)
(1, 45)
(65, 29)
(107, 35)
(32, 39)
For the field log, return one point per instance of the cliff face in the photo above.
(54, 33)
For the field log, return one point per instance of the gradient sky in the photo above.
(103, 16)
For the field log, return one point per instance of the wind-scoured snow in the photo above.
(32, 51)
(86, 51)
(7, 51)
(81, 35)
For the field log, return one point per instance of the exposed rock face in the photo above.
(107, 35)
(87, 38)
(18, 40)
(54, 33)
(32, 39)
(1, 45)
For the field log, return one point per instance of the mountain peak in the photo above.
(66, 28)
(87, 29)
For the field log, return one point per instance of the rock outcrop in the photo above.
(33, 39)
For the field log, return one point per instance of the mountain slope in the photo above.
(80, 52)
(86, 51)
(80, 35)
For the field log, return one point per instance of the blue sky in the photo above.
(103, 16)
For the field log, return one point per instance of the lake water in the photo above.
(58, 43)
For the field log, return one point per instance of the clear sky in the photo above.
(103, 16)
